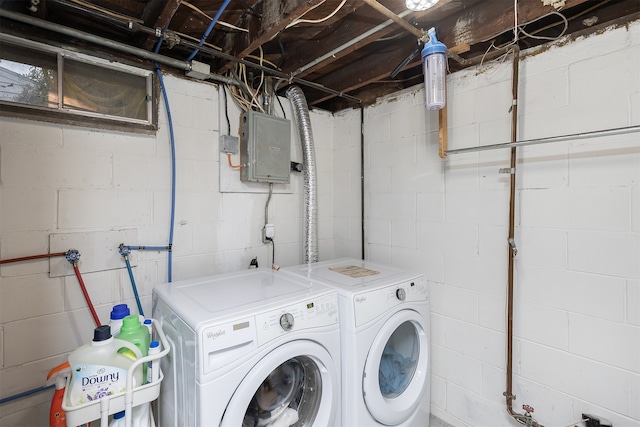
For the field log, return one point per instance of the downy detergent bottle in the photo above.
(99, 369)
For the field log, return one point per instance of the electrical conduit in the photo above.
(301, 112)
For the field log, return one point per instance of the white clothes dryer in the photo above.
(384, 316)
(251, 348)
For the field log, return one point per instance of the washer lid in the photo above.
(248, 291)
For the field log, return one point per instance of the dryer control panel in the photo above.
(370, 305)
(314, 313)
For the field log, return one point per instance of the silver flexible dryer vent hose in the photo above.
(301, 112)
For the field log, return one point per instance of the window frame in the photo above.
(70, 116)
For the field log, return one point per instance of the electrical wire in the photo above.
(107, 12)
(296, 21)
(578, 423)
(266, 206)
(226, 109)
(316, 21)
(222, 23)
(279, 39)
(254, 98)
(270, 239)
(195, 39)
(250, 9)
(246, 97)
(278, 98)
(274, 266)
(519, 28)
(241, 165)
(533, 36)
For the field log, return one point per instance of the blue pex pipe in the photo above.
(148, 248)
(24, 394)
(133, 285)
(206, 33)
(173, 174)
(173, 156)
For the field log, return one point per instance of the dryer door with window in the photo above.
(296, 383)
(394, 380)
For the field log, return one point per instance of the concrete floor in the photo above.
(437, 422)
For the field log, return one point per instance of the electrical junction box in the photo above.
(265, 148)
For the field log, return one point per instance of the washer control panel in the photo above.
(222, 344)
(286, 321)
(369, 305)
(313, 313)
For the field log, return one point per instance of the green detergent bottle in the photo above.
(134, 332)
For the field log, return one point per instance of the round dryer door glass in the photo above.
(290, 395)
(395, 372)
(399, 360)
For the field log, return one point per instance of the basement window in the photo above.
(46, 83)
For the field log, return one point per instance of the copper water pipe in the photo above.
(511, 246)
(28, 258)
(525, 419)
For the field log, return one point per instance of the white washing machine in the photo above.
(251, 348)
(384, 315)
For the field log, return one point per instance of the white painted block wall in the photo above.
(68, 181)
(578, 286)
(577, 329)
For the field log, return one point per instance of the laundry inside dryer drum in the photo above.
(399, 360)
(289, 396)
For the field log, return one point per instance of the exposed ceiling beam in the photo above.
(489, 19)
(373, 67)
(164, 11)
(275, 16)
(478, 24)
(337, 35)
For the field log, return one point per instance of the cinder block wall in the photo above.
(578, 286)
(577, 310)
(66, 187)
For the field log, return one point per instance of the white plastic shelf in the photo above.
(125, 401)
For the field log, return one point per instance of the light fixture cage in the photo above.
(420, 4)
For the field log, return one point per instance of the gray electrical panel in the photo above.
(265, 148)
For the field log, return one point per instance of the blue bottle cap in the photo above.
(120, 311)
(433, 45)
(147, 321)
(118, 415)
(154, 344)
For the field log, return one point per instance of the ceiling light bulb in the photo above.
(420, 4)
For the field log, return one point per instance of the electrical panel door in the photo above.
(265, 148)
